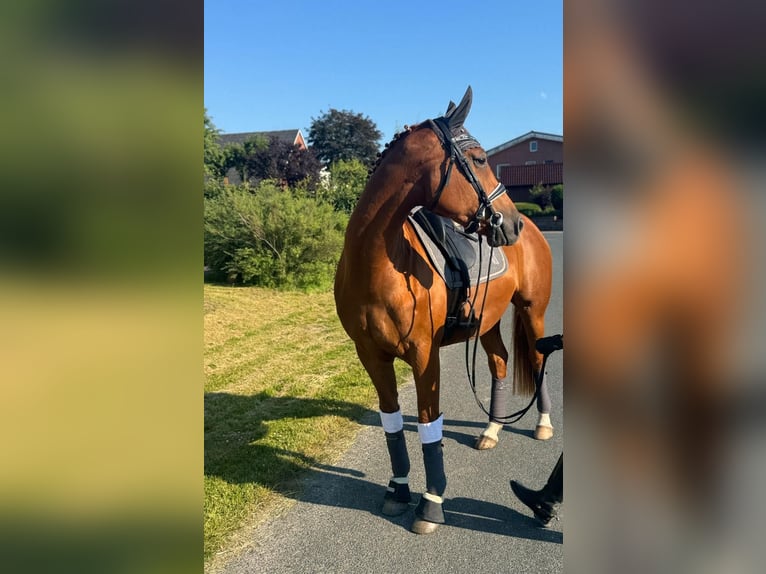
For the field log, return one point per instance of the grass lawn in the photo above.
(283, 390)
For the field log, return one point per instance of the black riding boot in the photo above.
(543, 502)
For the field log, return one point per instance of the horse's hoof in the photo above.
(543, 432)
(394, 508)
(484, 442)
(421, 526)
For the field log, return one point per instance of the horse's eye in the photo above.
(480, 161)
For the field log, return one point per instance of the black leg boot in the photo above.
(429, 513)
(397, 498)
(543, 502)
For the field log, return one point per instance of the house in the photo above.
(530, 159)
(294, 137)
(291, 136)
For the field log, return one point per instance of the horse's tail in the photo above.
(523, 370)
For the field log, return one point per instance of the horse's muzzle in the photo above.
(506, 231)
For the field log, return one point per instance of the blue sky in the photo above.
(276, 65)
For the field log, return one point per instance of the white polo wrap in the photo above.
(392, 422)
(431, 432)
(433, 498)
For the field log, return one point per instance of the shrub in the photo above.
(213, 187)
(541, 195)
(557, 197)
(528, 209)
(345, 185)
(272, 237)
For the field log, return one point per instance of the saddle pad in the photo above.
(454, 253)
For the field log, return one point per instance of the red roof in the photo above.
(545, 173)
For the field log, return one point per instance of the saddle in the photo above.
(456, 255)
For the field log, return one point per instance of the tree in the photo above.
(213, 156)
(557, 196)
(282, 161)
(541, 195)
(260, 158)
(235, 155)
(344, 135)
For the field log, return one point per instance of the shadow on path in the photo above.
(237, 450)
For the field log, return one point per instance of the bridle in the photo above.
(455, 145)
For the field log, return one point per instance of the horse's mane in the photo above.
(397, 136)
(450, 123)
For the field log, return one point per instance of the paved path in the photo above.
(336, 526)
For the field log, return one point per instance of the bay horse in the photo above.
(392, 302)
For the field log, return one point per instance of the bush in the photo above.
(557, 197)
(528, 209)
(346, 183)
(213, 187)
(541, 195)
(272, 237)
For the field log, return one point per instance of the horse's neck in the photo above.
(379, 216)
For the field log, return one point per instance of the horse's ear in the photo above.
(460, 113)
(450, 109)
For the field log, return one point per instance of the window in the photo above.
(530, 162)
(498, 168)
(548, 161)
(533, 145)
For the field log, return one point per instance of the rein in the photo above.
(546, 346)
(471, 369)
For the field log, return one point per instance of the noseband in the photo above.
(455, 145)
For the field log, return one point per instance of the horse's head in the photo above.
(462, 196)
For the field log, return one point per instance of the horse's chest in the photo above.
(395, 321)
(390, 309)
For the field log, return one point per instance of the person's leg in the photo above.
(543, 502)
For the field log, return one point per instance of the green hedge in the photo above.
(533, 210)
(529, 209)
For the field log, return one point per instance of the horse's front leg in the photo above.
(429, 513)
(380, 367)
(497, 355)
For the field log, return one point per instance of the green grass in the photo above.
(284, 390)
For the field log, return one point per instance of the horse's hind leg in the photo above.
(380, 367)
(497, 356)
(533, 321)
(544, 427)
